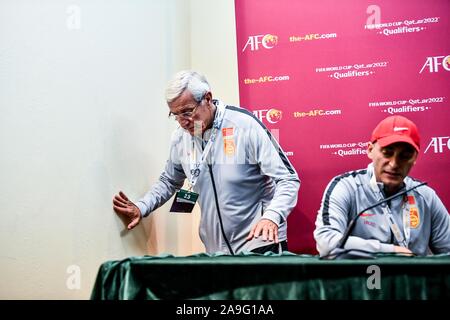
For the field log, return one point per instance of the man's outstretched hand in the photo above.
(127, 209)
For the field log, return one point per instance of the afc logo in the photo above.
(271, 115)
(433, 63)
(438, 144)
(267, 41)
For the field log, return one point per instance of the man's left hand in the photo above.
(267, 228)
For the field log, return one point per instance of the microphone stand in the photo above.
(340, 247)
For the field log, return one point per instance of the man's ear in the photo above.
(415, 158)
(370, 147)
(208, 97)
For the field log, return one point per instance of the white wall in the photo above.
(82, 115)
(213, 46)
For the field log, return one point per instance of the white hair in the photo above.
(192, 81)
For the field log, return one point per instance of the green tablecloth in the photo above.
(285, 277)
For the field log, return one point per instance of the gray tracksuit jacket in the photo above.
(252, 177)
(427, 223)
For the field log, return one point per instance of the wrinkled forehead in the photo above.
(183, 102)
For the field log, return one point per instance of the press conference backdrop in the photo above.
(321, 74)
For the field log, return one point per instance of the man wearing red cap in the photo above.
(415, 222)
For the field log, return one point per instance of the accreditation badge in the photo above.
(184, 201)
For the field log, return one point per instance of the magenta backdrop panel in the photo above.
(322, 74)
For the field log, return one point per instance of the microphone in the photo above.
(352, 222)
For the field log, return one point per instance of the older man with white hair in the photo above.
(245, 185)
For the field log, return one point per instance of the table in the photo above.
(281, 277)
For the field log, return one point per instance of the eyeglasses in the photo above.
(188, 114)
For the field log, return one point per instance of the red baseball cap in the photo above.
(396, 129)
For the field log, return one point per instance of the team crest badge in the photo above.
(414, 217)
(228, 141)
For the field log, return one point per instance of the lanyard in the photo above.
(197, 166)
(401, 240)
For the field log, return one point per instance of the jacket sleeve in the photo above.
(171, 179)
(333, 218)
(273, 163)
(440, 226)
